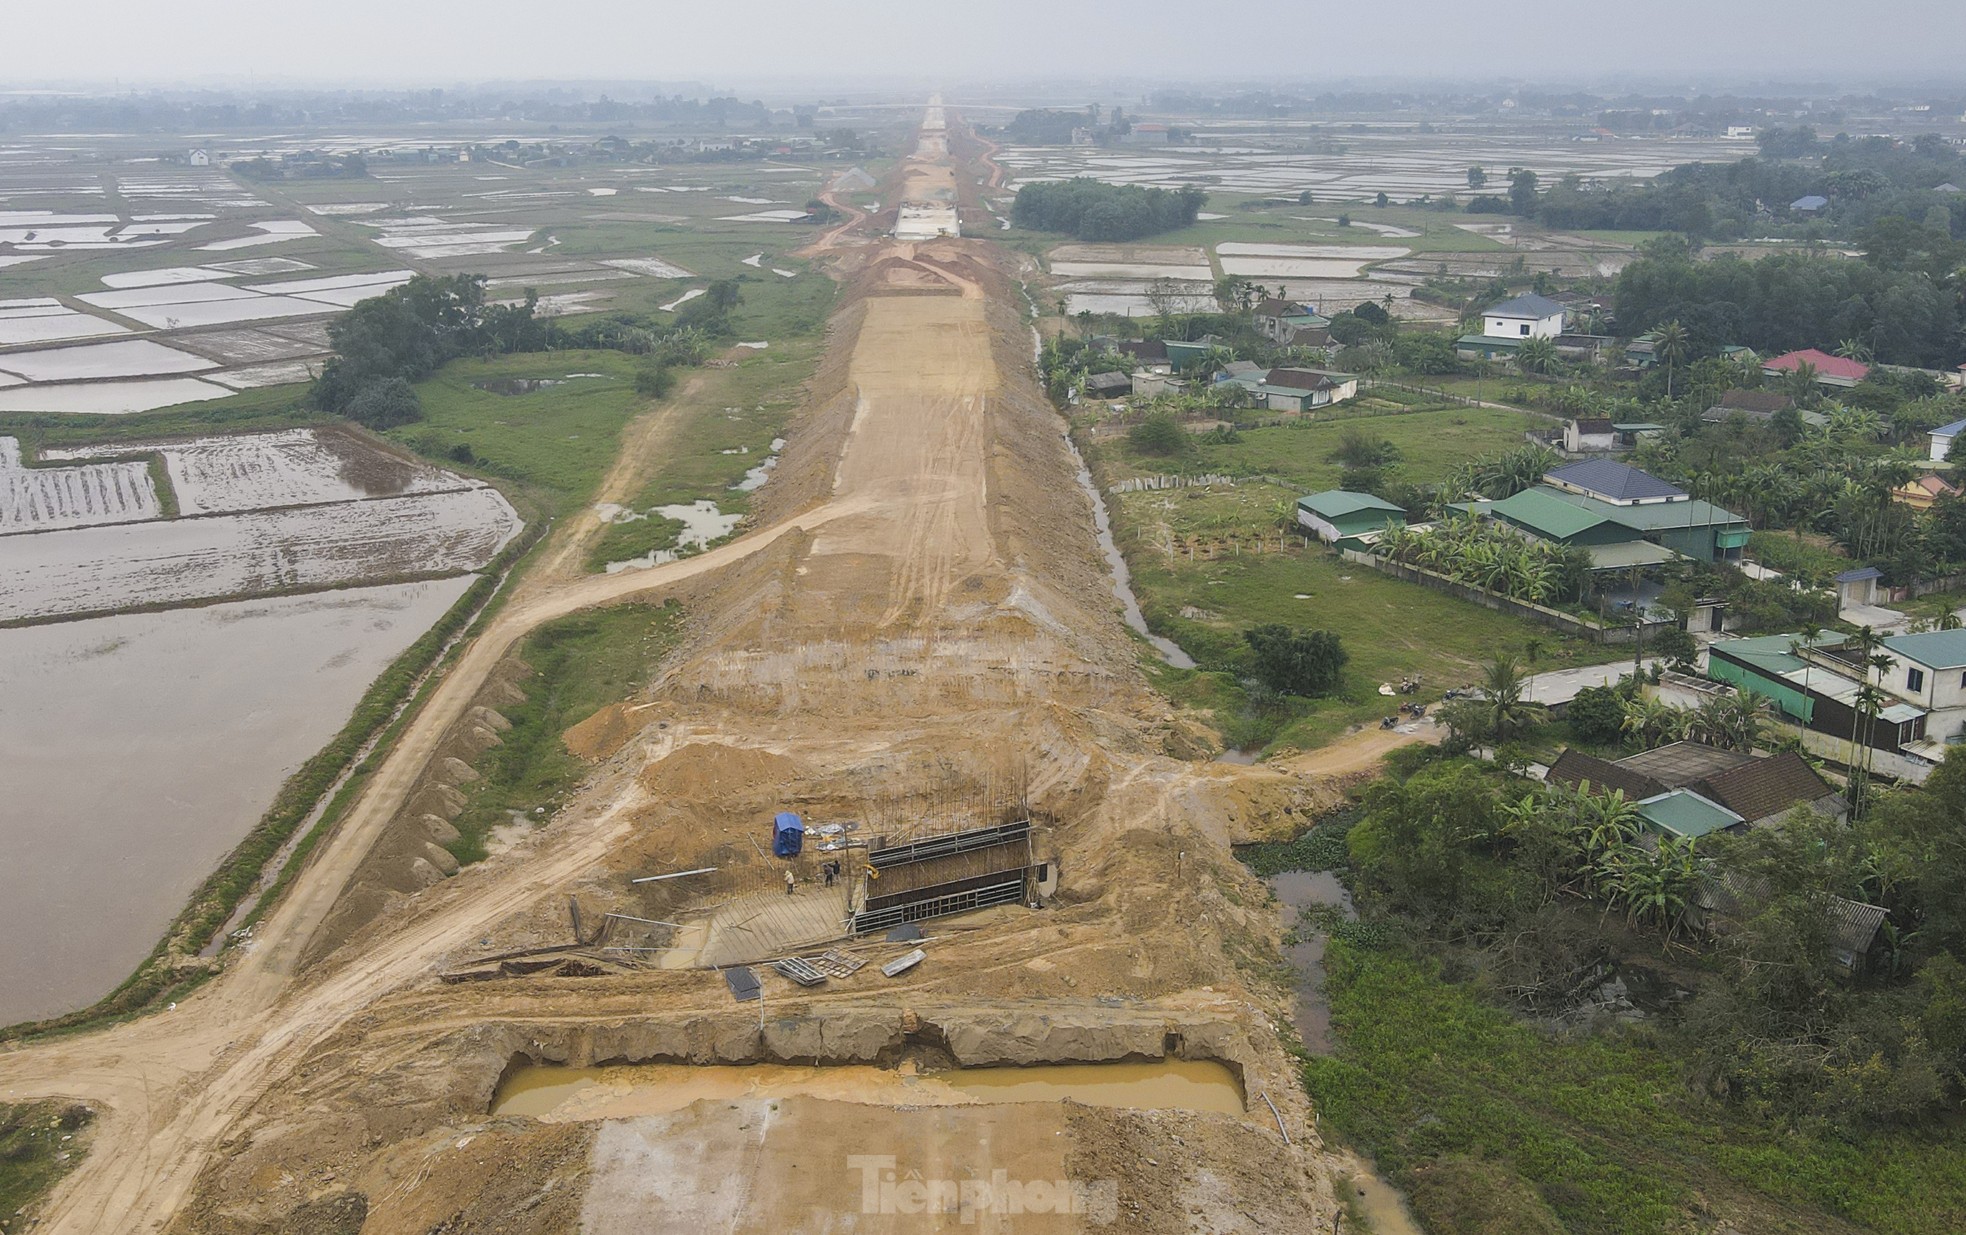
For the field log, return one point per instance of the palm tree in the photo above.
(1670, 344)
(1508, 713)
(1854, 349)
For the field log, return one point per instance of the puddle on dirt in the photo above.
(703, 523)
(755, 478)
(562, 1094)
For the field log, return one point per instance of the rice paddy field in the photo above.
(175, 523)
(1339, 249)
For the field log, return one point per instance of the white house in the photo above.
(1589, 434)
(199, 158)
(1525, 317)
(1930, 671)
(1942, 439)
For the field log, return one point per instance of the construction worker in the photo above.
(789, 881)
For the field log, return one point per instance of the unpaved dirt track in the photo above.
(936, 612)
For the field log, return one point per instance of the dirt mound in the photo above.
(601, 735)
(703, 771)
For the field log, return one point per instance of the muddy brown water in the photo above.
(561, 1094)
(135, 751)
(1298, 891)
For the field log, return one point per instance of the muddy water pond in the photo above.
(137, 750)
(562, 1094)
(1299, 891)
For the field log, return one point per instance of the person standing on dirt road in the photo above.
(789, 881)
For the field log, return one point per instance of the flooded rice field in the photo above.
(292, 467)
(1355, 163)
(258, 513)
(136, 750)
(183, 561)
(563, 1094)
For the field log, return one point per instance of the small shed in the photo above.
(788, 835)
(1857, 587)
(1109, 385)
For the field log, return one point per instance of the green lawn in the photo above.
(555, 442)
(727, 429)
(1431, 444)
(580, 664)
(1600, 1126)
(1391, 629)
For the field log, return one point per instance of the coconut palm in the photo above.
(1855, 349)
(1671, 344)
(1508, 713)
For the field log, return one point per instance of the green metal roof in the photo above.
(1935, 649)
(1648, 516)
(1686, 814)
(1337, 503)
(1545, 513)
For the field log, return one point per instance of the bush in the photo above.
(384, 404)
(1596, 715)
(1159, 434)
(654, 380)
(1678, 647)
(1296, 662)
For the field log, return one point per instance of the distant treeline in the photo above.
(309, 166)
(214, 112)
(1890, 304)
(387, 342)
(1091, 210)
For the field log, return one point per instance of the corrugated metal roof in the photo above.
(1531, 307)
(1935, 649)
(1337, 503)
(1686, 814)
(1545, 513)
(1615, 481)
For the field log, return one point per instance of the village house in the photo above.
(1525, 317)
(1624, 517)
(1924, 493)
(1807, 683)
(1108, 385)
(1930, 672)
(1339, 515)
(1941, 440)
(1278, 320)
(1690, 789)
(1587, 434)
(1812, 204)
(1838, 371)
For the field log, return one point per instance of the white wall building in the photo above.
(1930, 671)
(1525, 317)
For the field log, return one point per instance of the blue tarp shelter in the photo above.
(788, 835)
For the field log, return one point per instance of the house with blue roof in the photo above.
(1814, 203)
(1942, 440)
(1625, 517)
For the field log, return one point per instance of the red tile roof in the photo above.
(1825, 364)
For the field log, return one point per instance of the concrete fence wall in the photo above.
(1556, 619)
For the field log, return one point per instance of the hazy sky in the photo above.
(1683, 42)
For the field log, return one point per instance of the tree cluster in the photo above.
(1094, 211)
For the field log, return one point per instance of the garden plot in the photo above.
(260, 267)
(293, 467)
(1302, 261)
(109, 398)
(184, 561)
(125, 358)
(143, 748)
(786, 216)
(39, 499)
